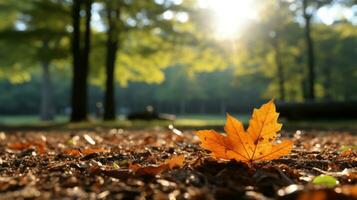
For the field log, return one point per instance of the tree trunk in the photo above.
(310, 53)
(280, 70)
(77, 111)
(47, 112)
(85, 55)
(80, 62)
(112, 47)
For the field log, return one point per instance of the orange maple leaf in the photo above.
(255, 144)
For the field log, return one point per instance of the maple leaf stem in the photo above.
(251, 165)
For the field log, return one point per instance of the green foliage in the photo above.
(24, 98)
(335, 63)
(44, 38)
(149, 43)
(255, 54)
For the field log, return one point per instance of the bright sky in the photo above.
(230, 15)
(328, 15)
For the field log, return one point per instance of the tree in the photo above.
(336, 66)
(310, 51)
(136, 18)
(10, 68)
(279, 20)
(113, 10)
(42, 36)
(308, 9)
(50, 47)
(179, 87)
(80, 53)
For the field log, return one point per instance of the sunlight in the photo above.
(230, 15)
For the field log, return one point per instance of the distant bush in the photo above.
(318, 110)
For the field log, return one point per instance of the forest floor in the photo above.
(133, 164)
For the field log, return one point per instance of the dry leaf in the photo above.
(39, 146)
(175, 161)
(72, 152)
(255, 144)
(76, 152)
(148, 170)
(94, 150)
(348, 153)
(19, 146)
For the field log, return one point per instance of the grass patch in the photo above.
(183, 121)
(20, 120)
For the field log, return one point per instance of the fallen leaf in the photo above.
(19, 146)
(255, 144)
(72, 152)
(94, 150)
(175, 161)
(325, 180)
(40, 147)
(348, 153)
(148, 170)
(78, 152)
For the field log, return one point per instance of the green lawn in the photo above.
(61, 122)
(185, 121)
(29, 120)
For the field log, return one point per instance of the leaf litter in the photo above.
(156, 164)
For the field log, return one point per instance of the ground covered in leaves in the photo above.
(162, 163)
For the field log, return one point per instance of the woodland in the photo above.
(178, 99)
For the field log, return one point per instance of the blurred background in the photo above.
(74, 60)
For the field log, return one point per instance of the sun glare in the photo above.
(230, 15)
